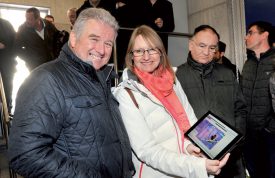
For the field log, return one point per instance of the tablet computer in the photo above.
(213, 136)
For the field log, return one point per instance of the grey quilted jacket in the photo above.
(67, 124)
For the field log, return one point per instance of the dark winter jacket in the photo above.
(214, 87)
(32, 48)
(226, 62)
(67, 124)
(109, 5)
(255, 85)
(142, 12)
(7, 57)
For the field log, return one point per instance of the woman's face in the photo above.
(146, 58)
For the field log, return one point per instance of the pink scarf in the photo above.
(162, 88)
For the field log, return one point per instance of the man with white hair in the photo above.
(66, 121)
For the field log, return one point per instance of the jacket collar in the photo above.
(252, 55)
(130, 80)
(204, 69)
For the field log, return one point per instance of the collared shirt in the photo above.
(41, 33)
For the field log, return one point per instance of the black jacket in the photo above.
(214, 87)
(32, 48)
(67, 124)
(226, 62)
(255, 85)
(7, 57)
(142, 12)
(109, 5)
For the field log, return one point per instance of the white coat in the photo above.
(154, 135)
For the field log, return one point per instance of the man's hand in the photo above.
(120, 4)
(214, 166)
(2, 46)
(159, 22)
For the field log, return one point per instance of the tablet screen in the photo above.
(213, 136)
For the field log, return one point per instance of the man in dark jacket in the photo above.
(221, 59)
(36, 40)
(209, 86)
(260, 141)
(158, 14)
(66, 121)
(109, 5)
(7, 58)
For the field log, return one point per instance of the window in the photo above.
(16, 13)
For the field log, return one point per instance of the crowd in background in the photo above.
(40, 40)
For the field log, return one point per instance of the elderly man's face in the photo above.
(94, 46)
(203, 46)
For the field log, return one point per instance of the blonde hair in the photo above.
(154, 41)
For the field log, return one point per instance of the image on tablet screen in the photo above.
(208, 134)
(213, 136)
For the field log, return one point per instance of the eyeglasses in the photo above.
(202, 47)
(250, 33)
(140, 52)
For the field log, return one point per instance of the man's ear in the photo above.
(190, 45)
(72, 39)
(265, 34)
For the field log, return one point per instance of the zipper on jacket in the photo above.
(253, 86)
(202, 83)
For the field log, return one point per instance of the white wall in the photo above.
(178, 46)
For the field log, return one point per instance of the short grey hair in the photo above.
(98, 14)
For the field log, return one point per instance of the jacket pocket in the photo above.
(85, 101)
(224, 83)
